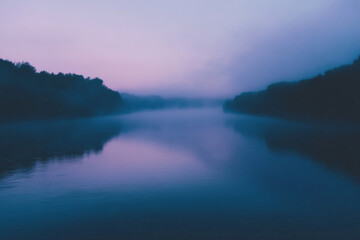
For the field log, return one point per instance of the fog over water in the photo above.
(116, 119)
(178, 174)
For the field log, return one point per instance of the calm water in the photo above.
(180, 174)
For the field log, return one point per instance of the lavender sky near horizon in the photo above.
(207, 48)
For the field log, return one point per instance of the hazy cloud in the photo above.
(193, 47)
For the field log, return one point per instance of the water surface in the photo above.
(178, 174)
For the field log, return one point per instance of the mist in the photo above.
(182, 48)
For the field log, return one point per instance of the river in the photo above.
(178, 174)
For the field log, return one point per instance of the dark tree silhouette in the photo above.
(333, 96)
(26, 94)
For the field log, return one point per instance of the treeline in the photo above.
(132, 103)
(26, 94)
(333, 96)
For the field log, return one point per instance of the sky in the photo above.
(210, 48)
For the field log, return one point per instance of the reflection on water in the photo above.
(186, 174)
(24, 144)
(335, 146)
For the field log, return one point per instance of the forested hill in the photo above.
(333, 96)
(132, 103)
(26, 94)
